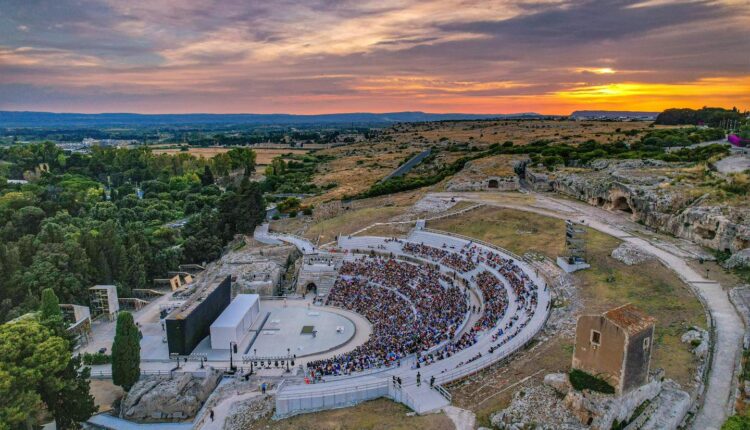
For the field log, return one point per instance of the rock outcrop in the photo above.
(556, 405)
(159, 398)
(630, 255)
(738, 260)
(654, 193)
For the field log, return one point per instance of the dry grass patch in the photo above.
(373, 415)
(263, 156)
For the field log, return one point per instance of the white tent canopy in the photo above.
(233, 324)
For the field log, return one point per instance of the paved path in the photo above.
(719, 394)
(261, 234)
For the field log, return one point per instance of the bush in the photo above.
(96, 358)
(737, 422)
(293, 214)
(581, 380)
(307, 211)
(276, 217)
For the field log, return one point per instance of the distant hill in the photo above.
(613, 114)
(49, 119)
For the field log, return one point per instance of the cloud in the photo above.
(322, 55)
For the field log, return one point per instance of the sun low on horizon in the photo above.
(313, 57)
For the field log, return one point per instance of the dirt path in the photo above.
(718, 397)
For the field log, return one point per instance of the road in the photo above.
(720, 386)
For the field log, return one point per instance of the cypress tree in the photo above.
(126, 352)
(50, 314)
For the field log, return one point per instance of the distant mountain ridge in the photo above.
(50, 119)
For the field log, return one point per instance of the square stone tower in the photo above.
(616, 346)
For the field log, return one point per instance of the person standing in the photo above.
(419, 379)
(211, 414)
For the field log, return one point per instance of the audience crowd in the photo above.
(414, 308)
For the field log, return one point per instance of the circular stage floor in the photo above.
(292, 327)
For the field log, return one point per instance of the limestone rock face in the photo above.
(630, 255)
(738, 260)
(655, 194)
(159, 398)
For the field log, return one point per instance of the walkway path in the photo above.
(719, 394)
(262, 234)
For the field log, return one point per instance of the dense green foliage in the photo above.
(293, 175)
(681, 136)
(37, 370)
(737, 422)
(581, 380)
(104, 218)
(706, 115)
(126, 352)
(404, 183)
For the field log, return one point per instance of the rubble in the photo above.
(539, 407)
(698, 338)
(244, 414)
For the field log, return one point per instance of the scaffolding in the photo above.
(575, 245)
(104, 301)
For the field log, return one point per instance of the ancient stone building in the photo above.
(615, 346)
(318, 273)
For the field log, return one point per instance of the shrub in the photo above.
(276, 217)
(307, 211)
(96, 358)
(581, 380)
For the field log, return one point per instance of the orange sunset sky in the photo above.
(246, 56)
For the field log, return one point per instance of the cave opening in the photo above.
(621, 204)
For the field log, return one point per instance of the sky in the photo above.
(330, 56)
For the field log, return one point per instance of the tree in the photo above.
(207, 178)
(70, 401)
(126, 352)
(31, 354)
(66, 393)
(50, 314)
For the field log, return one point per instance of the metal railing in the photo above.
(440, 389)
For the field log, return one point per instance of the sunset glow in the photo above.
(323, 57)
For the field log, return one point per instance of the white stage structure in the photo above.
(235, 321)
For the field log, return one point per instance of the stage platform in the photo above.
(291, 328)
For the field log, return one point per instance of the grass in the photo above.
(373, 415)
(608, 283)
